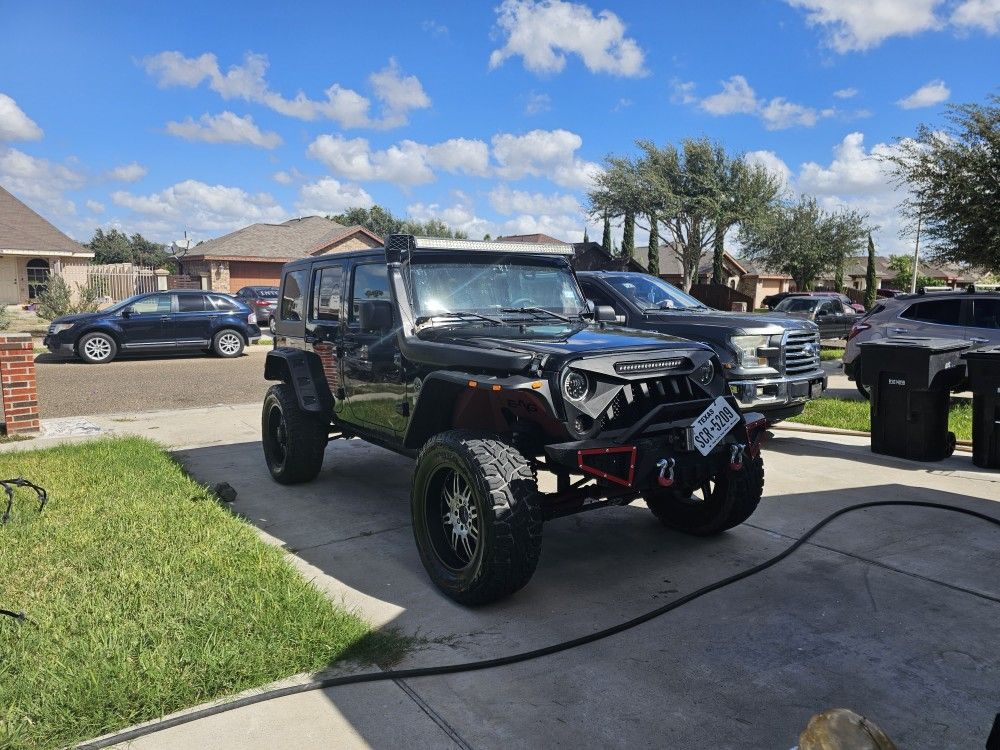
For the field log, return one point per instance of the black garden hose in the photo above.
(400, 674)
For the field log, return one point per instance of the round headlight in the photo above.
(576, 386)
(704, 374)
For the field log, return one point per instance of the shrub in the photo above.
(4, 318)
(57, 298)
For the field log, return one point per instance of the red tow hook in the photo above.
(736, 457)
(666, 467)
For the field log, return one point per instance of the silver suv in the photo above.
(970, 315)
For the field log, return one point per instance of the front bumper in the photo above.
(765, 394)
(57, 345)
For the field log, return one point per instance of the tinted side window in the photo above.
(293, 295)
(371, 281)
(245, 292)
(986, 313)
(599, 297)
(157, 303)
(941, 311)
(191, 303)
(223, 303)
(327, 285)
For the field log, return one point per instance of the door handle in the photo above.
(975, 340)
(897, 330)
(164, 318)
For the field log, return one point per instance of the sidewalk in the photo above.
(885, 612)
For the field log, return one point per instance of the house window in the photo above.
(38, 277)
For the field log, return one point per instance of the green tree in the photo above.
(117, 247)
(953, 178)
(802, 240)
(653, 251)
(586, 239)
(870, 277)
(696, 191)
(628, 235)
(838, 275)
(606, 238)
(382, 222)
(58, 299)
(903, 266)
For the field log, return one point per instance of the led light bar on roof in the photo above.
(440, 243)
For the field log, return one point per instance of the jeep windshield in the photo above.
(513, 291)
(650, 293)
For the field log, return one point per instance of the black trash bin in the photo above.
(984, 378)
(911, 381)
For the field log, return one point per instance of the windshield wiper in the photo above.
(461, 315)
(537, 311)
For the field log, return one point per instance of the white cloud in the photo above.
(14, 124)
(981, 14)
(406, 163)
(931, 93)
(537, 103)
(434, 28)
(738, 97)
(772, 162)
(543, 33)
(544, 153)
(224, 128)
(863, 24)
(95, 206)
(287, 176)
(39, 183)
(847, 93)
(460, 216)
(329, 196)
(506, 201)
(397, 93)
(128, 172)
(561, 227)
(199, 207)
(853, 170)
(682, 92)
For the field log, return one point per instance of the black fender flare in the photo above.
(304, 372)
(428, 417)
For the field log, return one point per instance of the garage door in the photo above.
(243, 274)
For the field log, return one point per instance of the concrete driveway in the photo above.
(892, 612)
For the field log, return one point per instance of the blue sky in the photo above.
(160, 118)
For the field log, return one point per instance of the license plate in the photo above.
(712, 425)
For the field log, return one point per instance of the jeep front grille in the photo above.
(801, 350)
(637, 398)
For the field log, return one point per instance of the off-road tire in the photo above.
(228, 343)
(91, 342)
(505, 493)
(300, 457)
(732, 502)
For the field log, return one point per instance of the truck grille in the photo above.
(637, 398)
(801, 349)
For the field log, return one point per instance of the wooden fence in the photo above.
(722, 297)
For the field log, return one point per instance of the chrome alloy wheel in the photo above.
(460, 519)
(97, 348)
(229, 344)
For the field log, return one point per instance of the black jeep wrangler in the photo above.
(484, 361)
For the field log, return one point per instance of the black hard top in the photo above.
(373, 253)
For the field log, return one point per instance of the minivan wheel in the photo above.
(294, 440)
(477, 520)
(725, 500)
(227, 343)
(97, 348)
(271, 326)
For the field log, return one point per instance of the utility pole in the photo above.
(916, 253)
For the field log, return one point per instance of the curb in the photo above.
(960, 445)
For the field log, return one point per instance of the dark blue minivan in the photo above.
(176, 320)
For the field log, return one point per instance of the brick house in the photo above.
(31, 250)
(253, 256)
(671, 269)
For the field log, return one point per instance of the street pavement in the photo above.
(891, 612)
(68, 387)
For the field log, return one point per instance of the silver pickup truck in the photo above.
(771, 363)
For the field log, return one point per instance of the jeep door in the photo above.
(323, 329)
(371, 367)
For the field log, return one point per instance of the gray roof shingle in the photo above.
(23, 229)
(295, 238)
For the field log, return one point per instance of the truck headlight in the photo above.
(746, 350)
(60, 327)
(576, 386)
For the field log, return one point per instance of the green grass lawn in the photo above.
(146, 596)
(828, 355)
(854, 415)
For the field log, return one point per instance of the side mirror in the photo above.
(606, 314)
(375, 314)
(128, 312)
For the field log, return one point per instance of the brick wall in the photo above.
(17, 383)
